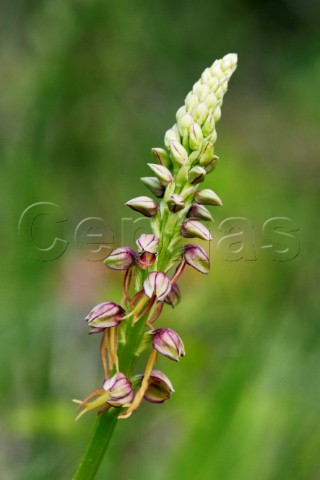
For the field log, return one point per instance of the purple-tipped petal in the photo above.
(158, 284)
(168, 343)
(197, 258)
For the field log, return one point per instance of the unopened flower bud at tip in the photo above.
(191, 101)
(200, 113)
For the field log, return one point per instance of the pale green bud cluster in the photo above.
(197, 119)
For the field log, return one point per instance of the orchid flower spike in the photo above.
(150, 273)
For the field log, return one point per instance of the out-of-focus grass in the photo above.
(88, 89)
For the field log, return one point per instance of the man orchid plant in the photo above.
(152, 271)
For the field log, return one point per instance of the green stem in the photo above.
(97, 446)
(106, 423)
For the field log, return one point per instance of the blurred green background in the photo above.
(87, 89)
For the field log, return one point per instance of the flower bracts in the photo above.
(160, 257)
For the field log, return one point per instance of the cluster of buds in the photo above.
(160, 257)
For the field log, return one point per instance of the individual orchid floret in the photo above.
(196, 136)
(168, 343)
(175, 203)
(200, 212)
(184, 123)
(119, 389)
(178, 153)
(196, 175)
(144, 205)
(159, 387)
(174, 296)
(162, 156)
(200, 113)
(148, 247)
(121, 258)
(211, 165)
(154, 185)
(191, 101)
(117, 392)
(207, 154)
(194, 229)
(147, 242)
(163, 173)
(171, 135)
(209, 124)
(104, 315)
(157, 284)
(196, 257)
(207, 197)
